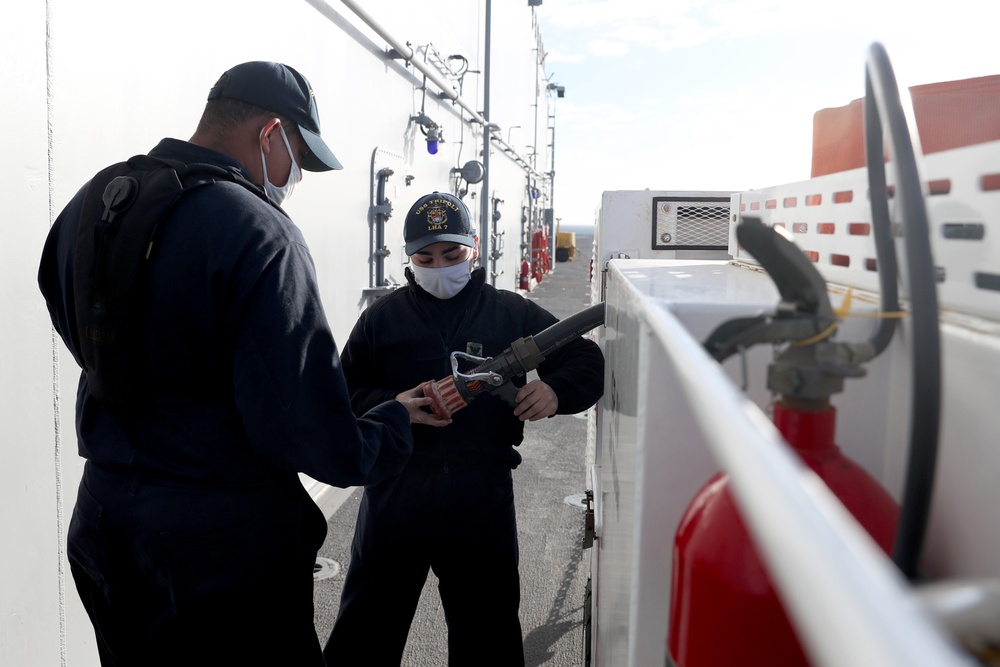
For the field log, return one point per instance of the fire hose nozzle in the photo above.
(494, 374)
(476, 375)
(445, 399)
(451, 394)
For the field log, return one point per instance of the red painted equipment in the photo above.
(723, 609)
(525, 277)
(540, 259)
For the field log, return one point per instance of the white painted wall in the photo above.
(34, 515)
(90, 83)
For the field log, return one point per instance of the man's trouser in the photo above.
(173, 574)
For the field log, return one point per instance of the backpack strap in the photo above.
(123, 207)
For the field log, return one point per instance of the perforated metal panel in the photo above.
(690, 224)
(830, 219)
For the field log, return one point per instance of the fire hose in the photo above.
(494, 374)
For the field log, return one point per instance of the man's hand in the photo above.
(414, 400)
(535, 401)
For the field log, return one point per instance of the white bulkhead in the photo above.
(88, 84)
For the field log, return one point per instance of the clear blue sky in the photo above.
(720, 94)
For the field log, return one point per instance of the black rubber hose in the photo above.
(565, 330)
(885, 247)
(926, 339)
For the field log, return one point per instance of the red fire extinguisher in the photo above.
(540, 254)
(525, 277)
(723, 609)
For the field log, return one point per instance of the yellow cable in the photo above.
(825, 333)
(842, 313)
(845, 305)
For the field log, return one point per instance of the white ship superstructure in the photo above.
(402, 94)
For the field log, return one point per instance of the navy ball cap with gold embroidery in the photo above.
(438, 217)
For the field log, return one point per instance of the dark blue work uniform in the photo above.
(193, 541)
(452, 507)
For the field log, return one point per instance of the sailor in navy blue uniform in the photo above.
(451, 510)
(193, 540)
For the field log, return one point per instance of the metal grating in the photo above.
(685, 224)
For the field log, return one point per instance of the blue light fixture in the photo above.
(433, 134)
(433, 137)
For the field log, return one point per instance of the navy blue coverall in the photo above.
(193, 541)
(452, 507)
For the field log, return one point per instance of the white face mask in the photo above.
(443, 283)
(276, 194)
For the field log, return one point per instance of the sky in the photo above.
(720, 94)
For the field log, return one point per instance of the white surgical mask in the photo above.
(445, 282)
(276, 194)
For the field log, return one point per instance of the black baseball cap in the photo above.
(282, 90)
(438, 217)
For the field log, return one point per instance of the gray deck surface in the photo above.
(553, 563)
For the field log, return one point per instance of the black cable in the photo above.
(885, 248)
(925, 409)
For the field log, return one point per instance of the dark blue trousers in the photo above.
(181, 575)
(461, 525)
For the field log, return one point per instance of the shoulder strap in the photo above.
(122, 210)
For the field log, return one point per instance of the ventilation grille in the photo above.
(685, 224)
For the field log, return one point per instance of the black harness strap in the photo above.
(123, 207)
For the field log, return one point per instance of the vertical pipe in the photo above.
(383, 209)
(484, 195)
(552, 191)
